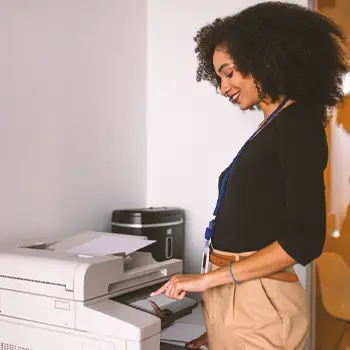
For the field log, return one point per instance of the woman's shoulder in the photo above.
(299, 129)
(300, 119)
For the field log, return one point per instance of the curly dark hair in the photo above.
(288, 49)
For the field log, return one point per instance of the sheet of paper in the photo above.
(182, 332)
(161, 300)
(110, 244)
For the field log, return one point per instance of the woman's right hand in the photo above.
(198, 342)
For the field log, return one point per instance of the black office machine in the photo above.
(163, 224)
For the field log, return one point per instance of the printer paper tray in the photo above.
(141, 300)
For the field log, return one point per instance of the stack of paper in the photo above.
(110, 244)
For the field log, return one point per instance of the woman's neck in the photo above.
(268, 108)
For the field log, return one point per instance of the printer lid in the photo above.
(43, 272)
(53, 271)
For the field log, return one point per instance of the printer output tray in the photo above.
(171, 309)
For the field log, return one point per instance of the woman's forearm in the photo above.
(262, 263)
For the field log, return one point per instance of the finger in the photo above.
(175, 291)
(171, 291)
(182, 295)
(161, 290)
(178, 290)
(168, 292)
(191, 345)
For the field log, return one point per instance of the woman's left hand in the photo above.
(179, 285)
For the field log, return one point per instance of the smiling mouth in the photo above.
(234, 97)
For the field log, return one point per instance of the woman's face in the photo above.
(238, 89)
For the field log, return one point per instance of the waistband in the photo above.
(221, 252)
(222, 258)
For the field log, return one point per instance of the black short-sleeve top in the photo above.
(276, 190)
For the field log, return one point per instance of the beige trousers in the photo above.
(262, 314)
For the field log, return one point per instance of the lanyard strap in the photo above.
(210, 228)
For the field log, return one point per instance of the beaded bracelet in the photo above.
(234, 280)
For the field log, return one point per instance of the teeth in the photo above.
(234, 97)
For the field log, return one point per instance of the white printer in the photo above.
(51, 299)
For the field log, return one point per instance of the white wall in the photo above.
(192, 133)
(72, 109)
(73, 129)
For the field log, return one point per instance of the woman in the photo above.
(287, 61)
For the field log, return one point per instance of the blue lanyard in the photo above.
(210, 229)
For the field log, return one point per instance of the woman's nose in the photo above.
(224, 88)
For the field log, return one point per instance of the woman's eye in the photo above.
(229, 75)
